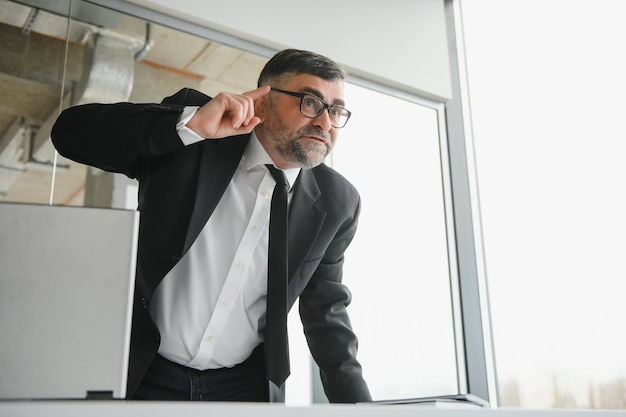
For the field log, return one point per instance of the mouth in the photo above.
(318, 139)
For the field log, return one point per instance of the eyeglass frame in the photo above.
(325, 106)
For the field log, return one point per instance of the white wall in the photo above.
(400, 43)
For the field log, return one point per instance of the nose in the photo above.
(323, 121)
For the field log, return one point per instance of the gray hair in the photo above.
(295, 61)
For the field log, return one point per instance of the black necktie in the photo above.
(276, 343)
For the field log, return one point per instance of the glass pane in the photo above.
(401, 308)
(31, 70)
(397, 266)
(548, 113)
(108, 57)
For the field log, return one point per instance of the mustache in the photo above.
(312, 131)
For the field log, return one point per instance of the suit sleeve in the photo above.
(115, 137)
(323, 310)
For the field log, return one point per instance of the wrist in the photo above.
(187, 135)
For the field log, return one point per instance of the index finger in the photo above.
(258, 93)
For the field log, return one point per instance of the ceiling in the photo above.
(49, 62)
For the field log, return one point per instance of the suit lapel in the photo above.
(305, 220)
(218, 162)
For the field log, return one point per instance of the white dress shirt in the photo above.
(210, 308)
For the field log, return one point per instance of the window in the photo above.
(397, 266)
(547, 114)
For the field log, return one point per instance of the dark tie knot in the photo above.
(279, 176)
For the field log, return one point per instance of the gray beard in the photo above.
(307, 159)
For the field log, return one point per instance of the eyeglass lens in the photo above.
(312, 107)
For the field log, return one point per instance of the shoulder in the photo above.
(326, 174)
(187, 97)
(334, 186)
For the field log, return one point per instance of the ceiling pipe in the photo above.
(107, 77)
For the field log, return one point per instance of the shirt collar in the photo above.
(255, 154)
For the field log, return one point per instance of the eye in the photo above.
(310, 102)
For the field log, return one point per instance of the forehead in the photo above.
(329, 91)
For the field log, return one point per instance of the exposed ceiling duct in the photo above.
(107, 77)
(109, 68)
(108, 72)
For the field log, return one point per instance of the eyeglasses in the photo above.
(312, 107)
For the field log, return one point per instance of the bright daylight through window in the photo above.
(546, 85)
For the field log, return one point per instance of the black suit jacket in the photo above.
(180, 186)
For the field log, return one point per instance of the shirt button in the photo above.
(254, 228)
(224, 303)
(265, 193)
(239, 265)
(209, 338)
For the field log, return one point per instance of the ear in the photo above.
(261, 107)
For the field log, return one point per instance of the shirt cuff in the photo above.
(187, 136)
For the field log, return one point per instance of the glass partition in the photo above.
(399, 266)
(50, 62)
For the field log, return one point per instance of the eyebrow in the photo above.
(315, 92)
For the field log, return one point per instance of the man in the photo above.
(201, 283)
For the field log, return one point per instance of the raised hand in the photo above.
(227, 114)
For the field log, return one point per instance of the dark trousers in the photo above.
(168, 381)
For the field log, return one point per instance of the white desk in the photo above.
(188, 409)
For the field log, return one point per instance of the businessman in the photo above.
(199, 317)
